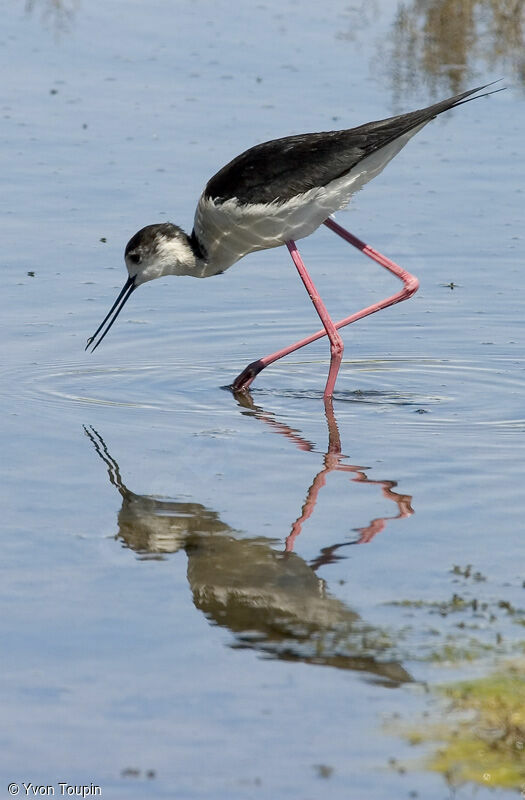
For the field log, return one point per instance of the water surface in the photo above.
(217, 596)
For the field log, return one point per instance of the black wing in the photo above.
(283, 168)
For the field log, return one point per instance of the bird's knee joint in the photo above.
(337, 348)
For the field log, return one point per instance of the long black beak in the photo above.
(117, 307)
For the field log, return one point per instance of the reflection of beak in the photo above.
(117, 307)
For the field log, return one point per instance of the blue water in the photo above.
(157, 639)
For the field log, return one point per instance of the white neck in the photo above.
(180, 257)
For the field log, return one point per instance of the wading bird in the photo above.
(271, 195)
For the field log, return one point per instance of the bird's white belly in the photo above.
(229, 230)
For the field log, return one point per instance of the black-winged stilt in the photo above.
(273, 194)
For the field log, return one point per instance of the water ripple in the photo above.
(433, 391)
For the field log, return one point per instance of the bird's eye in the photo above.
(134, 257)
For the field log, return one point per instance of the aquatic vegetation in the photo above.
(481, 734)
(476, 620)
(477, 732)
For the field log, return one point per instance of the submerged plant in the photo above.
(482, 734)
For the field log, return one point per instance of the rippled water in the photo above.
(209, 595)
(444, 392)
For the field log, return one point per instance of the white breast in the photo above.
(229, 230)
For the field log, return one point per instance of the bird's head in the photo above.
(158, 250)
(154, 251)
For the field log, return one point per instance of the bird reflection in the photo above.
(271, 600)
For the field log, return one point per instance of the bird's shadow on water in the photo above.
(268, 596)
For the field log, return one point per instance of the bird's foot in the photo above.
(243, 381)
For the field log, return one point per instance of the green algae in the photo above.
(480, 737)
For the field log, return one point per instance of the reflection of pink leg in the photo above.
(411, 285)
(332, 463)
(377, 525)
(308, 506)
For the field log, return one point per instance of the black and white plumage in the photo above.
(272, 194)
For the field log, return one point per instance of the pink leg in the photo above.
(336, 343)
(411, 285)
